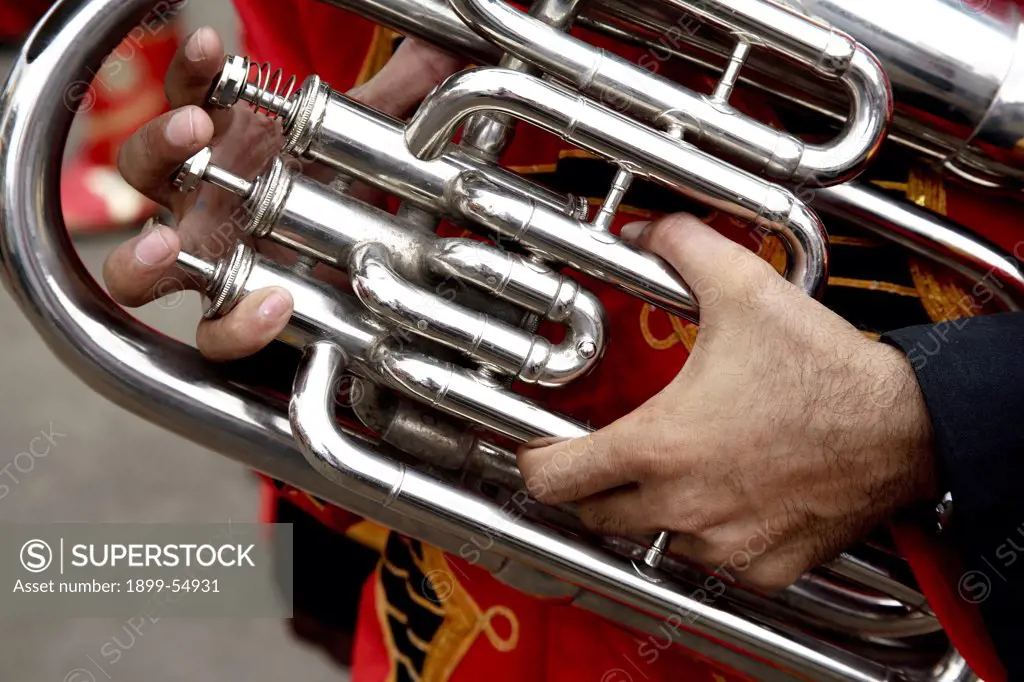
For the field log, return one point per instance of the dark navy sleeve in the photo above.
(971, 372)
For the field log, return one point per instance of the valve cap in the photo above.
(229, 84)
(192, 171)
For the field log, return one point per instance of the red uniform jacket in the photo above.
(17, 19)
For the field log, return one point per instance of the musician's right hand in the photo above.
(208, 220)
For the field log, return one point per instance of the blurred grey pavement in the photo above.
(111, 466)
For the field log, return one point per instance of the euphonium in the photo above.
(430, 363)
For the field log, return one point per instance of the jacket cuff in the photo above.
(971, 373)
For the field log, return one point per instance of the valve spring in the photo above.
(272, 91)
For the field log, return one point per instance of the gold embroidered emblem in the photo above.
(770, 249)
(429, 620)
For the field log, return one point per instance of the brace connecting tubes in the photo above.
(531, 358)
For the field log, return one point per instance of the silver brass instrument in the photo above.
(436, 369)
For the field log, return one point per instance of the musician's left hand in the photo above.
(208, 221)
(786, 436)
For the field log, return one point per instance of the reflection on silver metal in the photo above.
(710, 122)
(656, 552)
(303, 214)
(651, 154)
(528, 357)
(169, 383)
(970, 110)
(362, 143)
(966, 116)
(361, 471)
(594, 252)
(265, 89)
(972, 51)
(431, 438)
(477, 195)
(197, 268)
(994, 272)
(367, 145)
(194, 170)
(489, 135)
(374, 350)
(199, 168)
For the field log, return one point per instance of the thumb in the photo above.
(718, 270)
(413, 71)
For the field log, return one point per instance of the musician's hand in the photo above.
(787, 435)
(208, 220)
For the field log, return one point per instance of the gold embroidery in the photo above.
(396, 570)
(382, 46)
(942, 297)
(369, 534)
(682, 332)
(381, 602)
(393, 612)
(576, 154)
(417, 642)
(632, 210)
(404, 660)
(890, 185)
(926, 189)
(841, 240)
(423, 602)
(463, 622)
(504, 645)
(873, 285)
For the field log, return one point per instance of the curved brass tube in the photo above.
(682, 167)
(146, 373)
(529, 357)
(392, 485)
(170, 384)
(994, 271)
(710, 122)
(537, 288)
